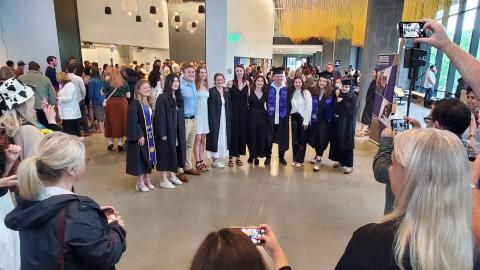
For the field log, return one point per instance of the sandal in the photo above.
(204, 165)
(239, 163)
(230, 162)
(199, 166)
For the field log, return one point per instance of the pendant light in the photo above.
(138, 18)
(177, 18)
(201, 9)
(153, 9)
(160, 24)
(108, 9)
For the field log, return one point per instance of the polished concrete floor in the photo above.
(313, 214)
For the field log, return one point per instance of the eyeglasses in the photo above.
(427, 120)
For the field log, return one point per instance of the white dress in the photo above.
(222, 150)
(201, 114)
(9, 240)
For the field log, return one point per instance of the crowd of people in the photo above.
(431, 187)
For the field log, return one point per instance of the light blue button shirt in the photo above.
(189, 93)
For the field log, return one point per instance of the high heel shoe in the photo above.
(150, 186)
(141, 187)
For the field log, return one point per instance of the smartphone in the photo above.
(110, 213)
(399, 125)
(254, 234)
(411, 29)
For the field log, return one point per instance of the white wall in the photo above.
(102, 55)
(254, 20)
(149, 55)
(119, 28)
(277, 60)
(29, 30)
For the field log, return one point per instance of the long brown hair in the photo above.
(254, 85)
(228, 249)
(329, 90)
(150, 98)
(244, 78)
(197, 77)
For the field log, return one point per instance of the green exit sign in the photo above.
(234, 37)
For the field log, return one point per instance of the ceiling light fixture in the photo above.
(108, 9)
(201, 9)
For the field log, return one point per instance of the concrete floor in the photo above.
(313, 214)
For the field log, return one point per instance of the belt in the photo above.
(190, 117)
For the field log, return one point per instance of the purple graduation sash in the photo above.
(150, 138)
(314, 109)
(329, 111)
(272, 102)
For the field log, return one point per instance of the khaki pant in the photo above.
(191, 130)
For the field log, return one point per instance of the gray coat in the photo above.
(381, 163)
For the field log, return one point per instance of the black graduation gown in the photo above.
(238, 141)
(283, 135)
(257, 126)
(169, 122)
(319, 133)
(214, 114)
(138, 161)
(369, 104)
(343, 129)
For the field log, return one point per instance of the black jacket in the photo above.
(89, 241)
(214, 115)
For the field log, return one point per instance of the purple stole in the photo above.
(150, 138)
(329, 112)
(272, 101)
(314, 109)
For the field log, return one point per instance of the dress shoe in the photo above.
(267, 161)
(282, 161)
(192, 172)
(110, 147)
(257, 161)
(142, 187)
(120, 148)
(182, 177)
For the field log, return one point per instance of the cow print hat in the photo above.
(14, 92)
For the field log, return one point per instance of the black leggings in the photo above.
(299, 138)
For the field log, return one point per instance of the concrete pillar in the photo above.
(216, 37)
(66, 17)
(381, 36)
(343, 52)
(327, 53)
(318, 59)
(185, 46)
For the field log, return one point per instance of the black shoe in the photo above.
(120, 148)
(110, 147)
(250, 160)
(257, 161)
(282, 161)
(267, 161)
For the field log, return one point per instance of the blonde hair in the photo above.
(197, 77)
(62, 78)
(116, 79)
(56, 152)
(433, 204)
(21, 114)
(150, 99)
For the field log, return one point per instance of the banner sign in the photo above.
(384, 92)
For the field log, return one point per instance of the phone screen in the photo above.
(399, 125)
(411, 29)
(254, 234)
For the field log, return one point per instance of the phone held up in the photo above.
(399, 125)
(411, 29)
(254, 233)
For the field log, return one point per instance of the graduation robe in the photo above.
(214, 114)
(319, 132)
(344, 122)
(169, 122)
(283, 135)
(369, 104)
(138, 161)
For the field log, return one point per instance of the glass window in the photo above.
(442, 79)
(454, 9)
(471, 4)
(466, 38)
(439, 14)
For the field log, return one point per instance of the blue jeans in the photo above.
(428, 97)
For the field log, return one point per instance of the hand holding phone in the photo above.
(254, 233)
(399, 125)
(411, 29)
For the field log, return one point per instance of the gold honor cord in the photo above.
(323, 19)
(413, 10)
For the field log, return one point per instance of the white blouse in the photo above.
(302, 104)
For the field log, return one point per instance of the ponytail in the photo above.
(55, 153)
(30, 184)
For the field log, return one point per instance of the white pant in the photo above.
(9, 240)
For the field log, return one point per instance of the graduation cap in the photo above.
(348, 81)
(278, 71)
(325, 74)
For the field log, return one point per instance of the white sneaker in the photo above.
(314, 159)
(166, 184)
(316, 167)
(175, 180)
(336, 165)
(218, 164)
(347, 170)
